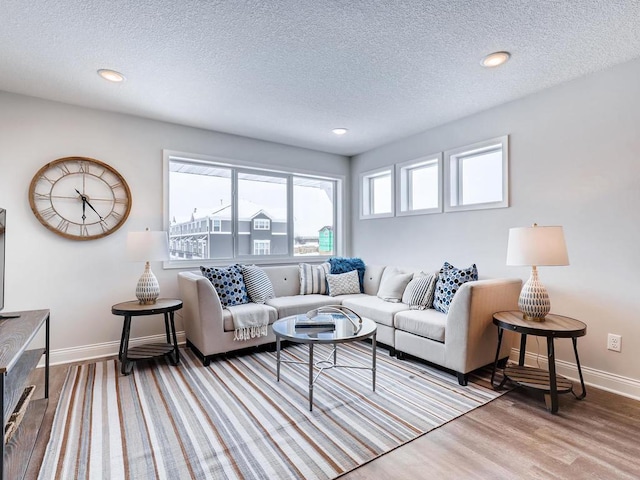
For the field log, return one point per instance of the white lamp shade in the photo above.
(537, 246)
(147, 246)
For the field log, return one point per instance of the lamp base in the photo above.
(148, 288)
(534, 300)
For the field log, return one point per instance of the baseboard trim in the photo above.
(101, 350)
(625, 386)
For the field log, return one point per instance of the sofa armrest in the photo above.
(471, 337)
(202, 310)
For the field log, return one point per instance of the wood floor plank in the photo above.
(512, 437)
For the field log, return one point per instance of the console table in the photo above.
(164, 306)
(550, 383)
(16, 363)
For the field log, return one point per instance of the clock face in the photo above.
(80, 198)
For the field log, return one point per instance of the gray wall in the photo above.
(575, 162)
(80, 281)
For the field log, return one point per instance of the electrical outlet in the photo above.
(614, 342)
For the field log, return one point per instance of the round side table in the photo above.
(550, 383)
(126, 355)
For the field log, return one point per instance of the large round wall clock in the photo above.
(80, 198)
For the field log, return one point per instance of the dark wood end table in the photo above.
(550, 383)
(126, 355)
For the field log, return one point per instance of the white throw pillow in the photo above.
(343, 283)
(393, 284)
(419, 292)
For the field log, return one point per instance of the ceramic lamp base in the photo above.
(148, 289)
(534, 300)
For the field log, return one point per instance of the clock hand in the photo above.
(85, 201)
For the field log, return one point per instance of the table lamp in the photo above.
(536, 246)
(147, 247)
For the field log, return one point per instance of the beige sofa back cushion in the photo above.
(372, 277)
(285, 280)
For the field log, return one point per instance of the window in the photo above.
(376, 194)
(476, 176)
(261, 224)
(262, 247)
(314, 211)
(418, 186)
(219, 211)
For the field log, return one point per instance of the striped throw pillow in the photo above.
(258, 285)
(420, 291)
(313, 278)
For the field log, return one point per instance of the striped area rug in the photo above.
(232, 420)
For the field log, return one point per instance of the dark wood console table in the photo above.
(16, 363)
(550, 383)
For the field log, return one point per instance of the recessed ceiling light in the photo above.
(111, 75)
(339, 131)
(495, 59)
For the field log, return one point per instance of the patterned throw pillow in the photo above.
(343, 283)
(258, 285)
(343, 265)
(420, 291)
(229, 284)
(449, 281)
(313, 278)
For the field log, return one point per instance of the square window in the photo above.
(418, 186)
(377, 193)
(476, 176)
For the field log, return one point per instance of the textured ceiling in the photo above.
(291, 70)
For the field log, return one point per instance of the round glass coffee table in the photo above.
(338, 329)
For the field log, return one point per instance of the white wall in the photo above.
(574, 161)
(80, 281)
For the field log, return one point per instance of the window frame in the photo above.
(340, 207)
(261, 221)
(262, 242)
(367, 194)
(451, 162)
(403, 185)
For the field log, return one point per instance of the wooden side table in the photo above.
(165, 306)
(550, 383)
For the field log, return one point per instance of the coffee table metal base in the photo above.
(326, 363)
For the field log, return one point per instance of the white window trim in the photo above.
(474, 149)
(261, 221)
(365, 205)
(401, 187)
(263, 242)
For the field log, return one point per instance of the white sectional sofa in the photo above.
(463, 340)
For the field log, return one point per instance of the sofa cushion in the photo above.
(229, 284)
(427, 323)
(344, 265)
(285, 279)
(374, 308)
(343, 283)
(298, 304)
(393, 284)
(313, 278)
(449, 281)
(420, 291)
(258, 285)
(372, 277)
(246, 309)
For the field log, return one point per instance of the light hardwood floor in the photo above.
(513, 437)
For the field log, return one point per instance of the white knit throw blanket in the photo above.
(249, 323)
